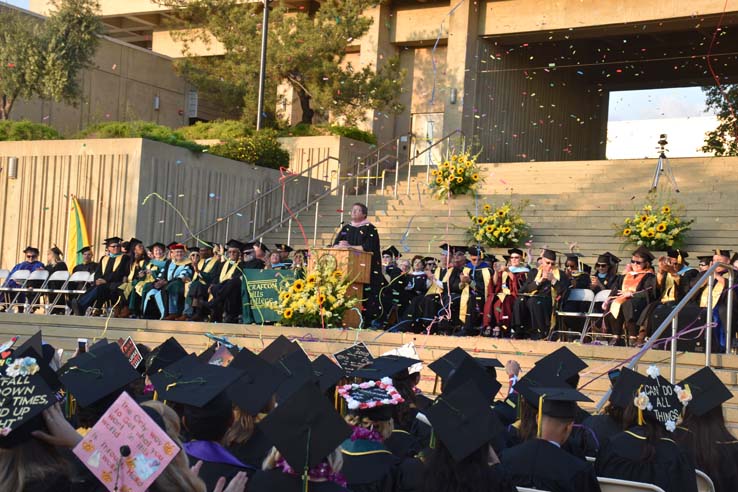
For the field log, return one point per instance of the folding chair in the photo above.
(596, 317)
(76, 286)
(28, 288)
(20, 277)
(575, 295)
(4, 272)
(704, 482)
(45, 292)
(617, 485)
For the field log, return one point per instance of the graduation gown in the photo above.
(541, 300)
(253, 451)
(628, 312)
(543, 465)
(672, 291)
(217, 462)
(85, 267)
(603, 283)
(621, 457)
(275, 480)
(501, 297)
(474, 297)
(368, 466)
(603, 427)
(366, 236)
(115, 272)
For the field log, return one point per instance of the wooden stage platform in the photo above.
(63, 332)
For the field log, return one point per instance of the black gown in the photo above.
(275, 480)
(543, 465)
(367, 237)
(539, 303)
(253, 451)
(621, 457)
(368, 466)
(603, 426)
(630, 311)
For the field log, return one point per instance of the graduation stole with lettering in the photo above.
(539, 278)
(630, 284)
(486, 277)
(228, 270)
(717, 289)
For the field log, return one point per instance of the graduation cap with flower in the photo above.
(661, 399)
(373, 399)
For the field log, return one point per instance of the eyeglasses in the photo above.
(30, 256)
(114, 246)
(602, 265)
(516, 257)
(636, 262)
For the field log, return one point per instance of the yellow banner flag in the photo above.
(77, 237)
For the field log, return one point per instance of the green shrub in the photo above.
(26, 130)
(139, 129)
(261, 148)
(218, 129)
(354, 133)
(305, 130)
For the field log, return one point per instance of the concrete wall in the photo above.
(112, 177)
(306, 151)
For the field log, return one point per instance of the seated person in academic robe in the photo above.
(31, 264)
(253, 256)
(703, 434)
(632, 292)
(463, 458)
(719, 301)
(306, 431)
(87, 264)
(55, 262)
(148, 273)
(645, 452)
(579, 278)
(299, 263)
(284, 251)
(136, 275)
(167, 291)
(415, 283)
(498, 316)
(226, 289)
(477, 281)
(206, 268)
(545, 286)
(394, 284)
(606, 272)
(206, 413)
(541, 463)
(674, 279)
(112, 271)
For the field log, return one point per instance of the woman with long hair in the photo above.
(703, 434)
(476, 472)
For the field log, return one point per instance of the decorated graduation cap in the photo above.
(661, 399)
(280, 347)
(327, 372)
(391, 251)
(283, 248)
(93, 375)
(192, 382)
(463, 421)
(31, 250)
(374, 400)
(165, 354)
(84, 250)
(384, 366)
(707, 391)
(259, 382)
(305, 429)
(26, 393)
(112, 240)
(297, 370)
(626, 387)
(563, 363)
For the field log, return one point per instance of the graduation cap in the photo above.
(677, 254)
(27, 393)
(165, 354)
(476, 251)
(606, 259)
(157, 244)
(31, 250)
(93, 375)
(34, 342)
(247, 247)
(328, 372)
(305, 428)
(56, 251)
(626, 387)
(444, 249)
(458, 250)
(515, 251)
(112, 240)
(463, 420)
(644, 253)
(206, 244)
(259, 382)
(471, 370)
(391, 251)
(283, 248)
(562, 363)
(194, 249)
(192, 382)
(707, 391)
(429, 259)
(549, 254)
(374, 400)
(660, 399)
(280, 347)
(560, 403)
(297, 370)
(453, 359)
(576, 258)
(385, 366)
(84, 250)
(538, 377)
(103, 342)
(261, 246)
(234, 243)
(722, 252)
(133, 242)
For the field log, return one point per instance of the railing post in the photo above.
(397, 172)
(672, 361)
(368, 178)
(315, 225)
(409, 168)
(307, 194)
(228, 227)
(281, 207)
(289, 230)
(729, 328)
(708, 329)
(356, 175)
(256, 214)
(343, 199)
(338, 177)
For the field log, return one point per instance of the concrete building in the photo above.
(528, 79)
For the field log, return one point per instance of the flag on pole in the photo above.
(77, 237)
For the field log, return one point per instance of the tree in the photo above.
(306, 48)
(43, 57)
(722, 141)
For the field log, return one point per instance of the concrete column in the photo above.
(463, 27)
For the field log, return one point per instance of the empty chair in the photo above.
(617, 485)
(595, 316)
(575, 295)
(8, 293)
(704, 482)
(44, 296)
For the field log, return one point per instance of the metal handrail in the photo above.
(672, 319)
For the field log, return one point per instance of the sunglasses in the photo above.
(31, 256)
(636, 262)
(602, 265)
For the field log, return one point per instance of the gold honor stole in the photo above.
(506, 278)
(630, 284)
(669, 289)
(539, 279)
(116, 263)
(228, 270)
(435, 289)
(486, 277)
(717, 289)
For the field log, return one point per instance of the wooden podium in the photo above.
(356, 266)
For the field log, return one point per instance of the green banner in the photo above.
(263, 286)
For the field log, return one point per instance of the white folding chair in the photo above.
(20, 278)
(704, 482)
(617, 485)
(574, 295)
(48, 290)
(77, 285)
(595, 317)
(36, 280)
(4, 272)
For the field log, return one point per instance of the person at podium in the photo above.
(361, 235)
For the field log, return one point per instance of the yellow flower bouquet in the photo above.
(659, 224)
(499, 227)
(459, 174)
(317, 300)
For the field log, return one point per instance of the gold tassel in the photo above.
(540, 413)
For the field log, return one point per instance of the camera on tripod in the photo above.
(662, 140)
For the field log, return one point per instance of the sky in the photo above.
(17, 3)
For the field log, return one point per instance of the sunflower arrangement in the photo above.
(317, 299)
(498, 227)
(659, 224)
(459, 174)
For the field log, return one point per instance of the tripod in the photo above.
(663, 167)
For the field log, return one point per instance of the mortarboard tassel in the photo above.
(640, 412)
(540, 413)
(305, 469)
(432, 443)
